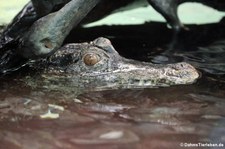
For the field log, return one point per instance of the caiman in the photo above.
(98, 65)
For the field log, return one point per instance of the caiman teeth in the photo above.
(139, 82)
(147, 82)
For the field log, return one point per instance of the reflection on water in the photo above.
(127, 118)
(134, 118)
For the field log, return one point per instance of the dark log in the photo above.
(47, 34)
(52, 28)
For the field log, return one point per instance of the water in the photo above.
(170, 117)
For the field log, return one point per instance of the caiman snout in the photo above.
(182, 73)
(141, 74)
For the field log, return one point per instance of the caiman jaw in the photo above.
(148, 75)
(134, 74)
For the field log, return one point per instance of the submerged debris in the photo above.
(49, 115)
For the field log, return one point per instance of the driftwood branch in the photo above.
(47, 34)
(41, 38)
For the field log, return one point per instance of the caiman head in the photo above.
(98, 64)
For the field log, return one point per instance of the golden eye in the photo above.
(91, 59)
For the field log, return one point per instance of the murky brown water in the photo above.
(151, 118)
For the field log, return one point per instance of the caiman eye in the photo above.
(91, 59)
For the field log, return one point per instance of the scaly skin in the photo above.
(98, 65)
